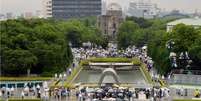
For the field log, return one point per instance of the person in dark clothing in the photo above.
(160, 93)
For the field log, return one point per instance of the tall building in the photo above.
(110, 22)
(38, 14)
(9, 15)
(64, 9)
(47, 8)
(2, 17)
(143, 9)
(104, 6)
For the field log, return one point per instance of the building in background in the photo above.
(110, 22)
(176, 14)
(9, 15)
(104, 6)
(28, 15)
(143, 9)
(64, 9)
(195, 22)
(2, 17)
(38, 14)
(47, 8)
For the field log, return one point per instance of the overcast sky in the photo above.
(20, 6)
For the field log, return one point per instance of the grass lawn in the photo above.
(136, 61)
(25, 78)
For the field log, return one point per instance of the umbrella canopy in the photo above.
(46, 89)
(26, 89)
(99, 91)
(110, 90)
(45, 85)
(38, 86)
(12, 89)
(77, 84)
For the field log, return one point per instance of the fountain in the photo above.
(109, 71)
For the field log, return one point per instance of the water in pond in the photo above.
(93, 76)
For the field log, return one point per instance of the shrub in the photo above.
(24, 99)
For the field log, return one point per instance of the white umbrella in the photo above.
(110, 90)
(12, 89)
(46, 89)
(26, 89)
(8, 89)
(99, 91)
(4, 88)
(38, 86)
(144, 47)
(77, 84)
(45, 85)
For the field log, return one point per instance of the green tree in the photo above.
(126, 30)
(183, 36)
(33, 46)
(143, 23)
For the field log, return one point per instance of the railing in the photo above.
(185, 79)
(194, 72)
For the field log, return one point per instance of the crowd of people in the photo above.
(185, 92)
(113, 51)
(106, 93)
(120, 94)
(28, 90)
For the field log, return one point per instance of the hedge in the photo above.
(24, 99)
(68, 82)
(25, 78)
(146, 73)
(136, 61)
(113, 60)
(110, 60)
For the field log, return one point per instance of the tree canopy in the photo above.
(42, 45)
(34, 44)
(152, 32)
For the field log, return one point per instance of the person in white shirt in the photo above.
(22, 94)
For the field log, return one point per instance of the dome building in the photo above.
(109, 23)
